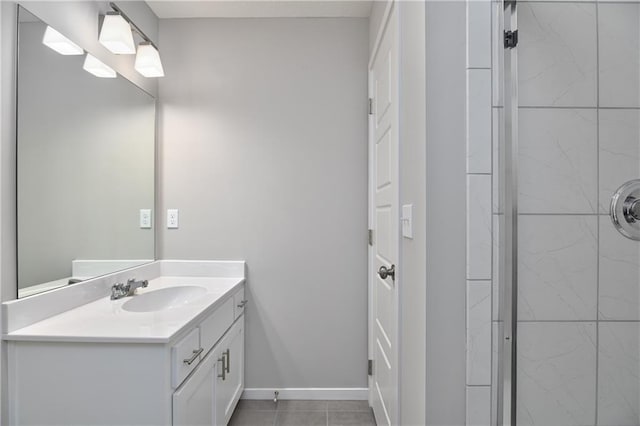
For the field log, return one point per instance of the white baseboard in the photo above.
(338, 394)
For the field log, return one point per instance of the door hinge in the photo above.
(370, 367)
(370, 106)
(510, 39)
(370, 237)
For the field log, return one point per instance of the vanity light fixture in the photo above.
(96, 67)
(148, 60)
(116, 35)
(56, 41)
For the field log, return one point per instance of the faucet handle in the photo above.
(117, 291)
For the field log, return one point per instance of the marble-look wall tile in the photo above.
(619, 274)
(557, 267)
(478, 332)
(479, 227)
(479, 121)
(557, 54)
(619, 374)
(619, 39)
(478, 405)
(478, 34)
(558, 164)
(619, 151)
(497, 52)
(556, 374)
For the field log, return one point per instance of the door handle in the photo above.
(385, 272)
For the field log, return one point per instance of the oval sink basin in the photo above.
(165, 298)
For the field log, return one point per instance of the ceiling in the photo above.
(261, 9)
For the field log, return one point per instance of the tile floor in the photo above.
(302, 413)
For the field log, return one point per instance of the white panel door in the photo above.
(384, 208)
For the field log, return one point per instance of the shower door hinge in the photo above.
(370, 367)
(370, 237)
(370, 106)
(510, 39)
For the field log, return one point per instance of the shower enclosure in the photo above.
(566, 275)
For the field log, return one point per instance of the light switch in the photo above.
(407, 221)
(145, 218)
(172, 218)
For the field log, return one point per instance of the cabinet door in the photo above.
(230, 389)
(194, 401)
(236, 373)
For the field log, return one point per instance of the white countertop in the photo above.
(105, 320)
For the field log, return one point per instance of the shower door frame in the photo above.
(508, 224)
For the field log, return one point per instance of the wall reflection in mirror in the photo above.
(85, 172)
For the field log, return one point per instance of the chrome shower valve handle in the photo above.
(625, 209)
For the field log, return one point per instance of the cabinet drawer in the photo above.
(239, 302)
(212, 328)
(188, 349)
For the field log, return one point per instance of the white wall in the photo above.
(264, 151)
(412, 191)
(376, 16)
(445, 212)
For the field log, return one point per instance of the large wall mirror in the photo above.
(85, 167)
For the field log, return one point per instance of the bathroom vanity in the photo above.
(173, 354)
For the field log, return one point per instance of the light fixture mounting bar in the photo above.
(134, 27)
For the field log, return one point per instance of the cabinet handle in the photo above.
(228, 356)
(196, 354)
(223, 376)
(242, 303)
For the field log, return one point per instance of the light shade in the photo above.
(56, 41)
(116, 34)
(148, 61)
(98, 68)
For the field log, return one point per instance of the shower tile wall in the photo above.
(579, 139)
(479, 212)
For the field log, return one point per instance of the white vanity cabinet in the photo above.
(194, 378)
(219, 377)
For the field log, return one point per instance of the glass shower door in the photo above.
(567, 337)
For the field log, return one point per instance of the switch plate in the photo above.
(407, 221)
(172, 218)
(145, 218)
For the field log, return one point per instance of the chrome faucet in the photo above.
(121, 290)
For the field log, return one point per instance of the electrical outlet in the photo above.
(145, 218)
(172, 218)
